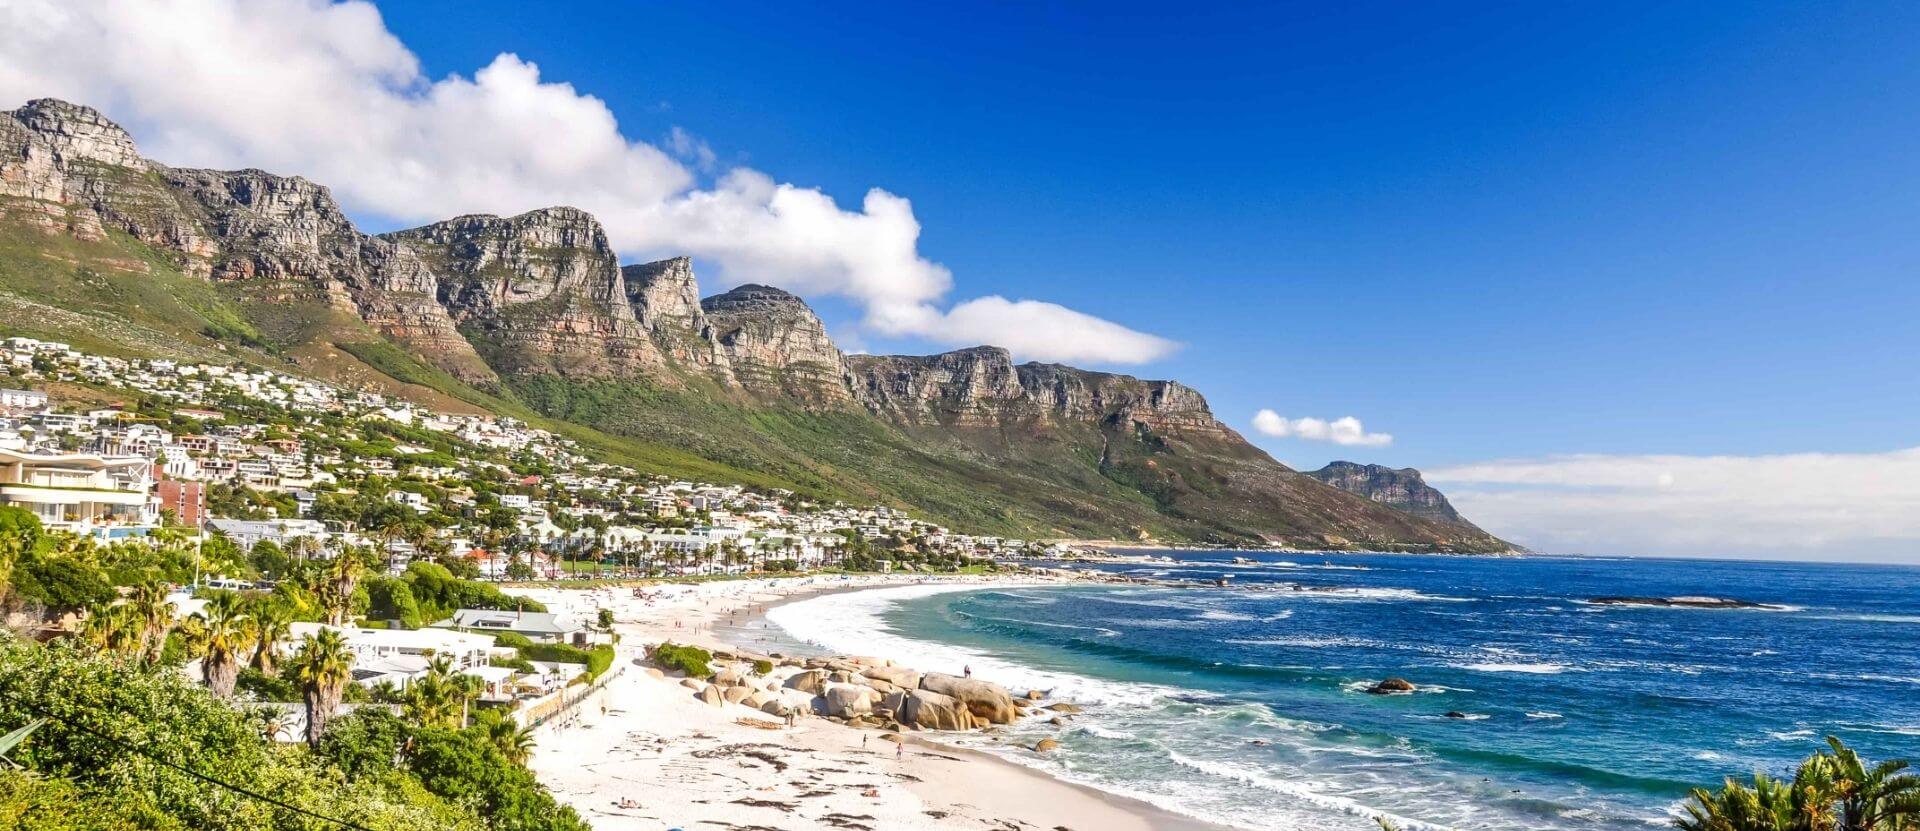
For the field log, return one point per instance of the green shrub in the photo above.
(512, 639)
(689, 660)
(520, 664)
(762, 667)
(558, 653)
(599, 660)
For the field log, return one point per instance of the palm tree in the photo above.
(223, 630)
(273, 724)
(323, 667)
(1873, 798)
(150, 605)
(341, 576)
(391, 532)
(272, 620)
(1832, 791)
(114, 629)
(506, 735)
(468, 687)
(433, 699)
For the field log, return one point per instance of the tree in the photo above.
(323, 667)
(221, 634)
(271, 620)
(433, 699)
(341, 576)
(1832, 791)
(113, 629)
(150, 605)
(506, 735)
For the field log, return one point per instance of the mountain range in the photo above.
(534, 316)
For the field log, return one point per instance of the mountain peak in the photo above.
(1402, 488)
(80, 132)
(751, 294)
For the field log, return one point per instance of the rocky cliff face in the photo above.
(666, 298)
(777, 346)
(537, 292)
(242, 225)
(981, 386)
(1402, 488)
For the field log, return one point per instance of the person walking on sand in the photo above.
(967, 671)
(900, 751)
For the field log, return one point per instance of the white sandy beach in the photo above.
(690, 765)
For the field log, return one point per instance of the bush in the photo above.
(558, 653)
(62, 583)
(520, 664)
(460, 765)
(266, 687)
(762, 667)
(512, 639)
(689, 660)
(599, 660)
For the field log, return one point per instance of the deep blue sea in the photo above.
(1248, 707)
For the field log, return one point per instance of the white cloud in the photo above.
(1343, 431)
(691, 148)
(324, 90)
(1836, 505)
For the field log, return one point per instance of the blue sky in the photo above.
(1492, 231)
(1622, 278)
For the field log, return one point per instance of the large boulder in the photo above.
(735, 695)
(729, 678)
(987, 701)
(897, 676)
(711, 695)
(774, 708)
(1045, 746)
(812, 682)
(930, 710)
(847, 701)
(877, 685)
(691, 683)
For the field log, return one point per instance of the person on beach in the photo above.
(967, 671)
(900, 751)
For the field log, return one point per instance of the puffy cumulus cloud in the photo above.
(1811, 505)
(1343, 431)
(323, 89)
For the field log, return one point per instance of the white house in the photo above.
(107, 496)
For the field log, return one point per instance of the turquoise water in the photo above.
(1247, 707)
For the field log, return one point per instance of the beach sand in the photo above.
(691, 765)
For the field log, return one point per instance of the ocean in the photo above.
(1249, 708)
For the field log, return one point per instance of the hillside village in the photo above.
(257, 456)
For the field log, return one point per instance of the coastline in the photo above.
(649, 739)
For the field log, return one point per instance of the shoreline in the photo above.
(647, 738)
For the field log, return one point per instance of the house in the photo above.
(534, 626)
(20, 402)
(398, 656)
(105, 496)
(247, 533)
(186, 499)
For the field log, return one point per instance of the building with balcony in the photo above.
(104, 496)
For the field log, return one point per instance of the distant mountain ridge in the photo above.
(535, 310)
